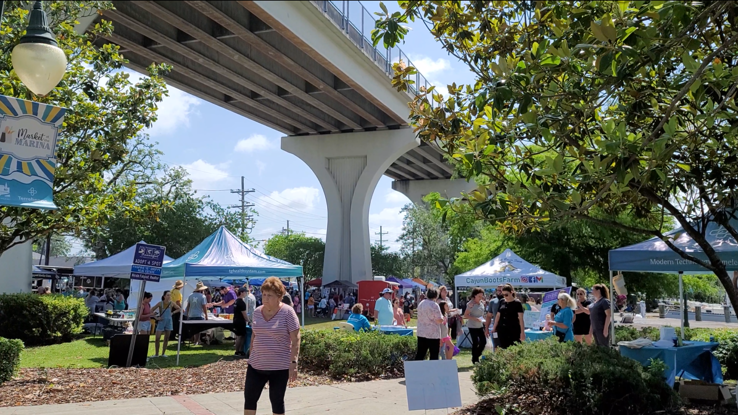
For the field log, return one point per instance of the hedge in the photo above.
(41, 319)
(358, 356)
(10, 354)
(571, 378)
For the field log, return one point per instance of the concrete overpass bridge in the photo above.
(308, 70)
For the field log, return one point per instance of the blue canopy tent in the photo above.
(654, 255)
(222, 254)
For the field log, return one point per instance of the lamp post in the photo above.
(37, 59)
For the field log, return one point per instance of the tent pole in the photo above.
(683, 307)
(181, 314)
(612, 312)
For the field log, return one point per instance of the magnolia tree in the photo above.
(587, 107)
(98, 158)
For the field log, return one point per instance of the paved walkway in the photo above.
(365, 398)
(653, 320)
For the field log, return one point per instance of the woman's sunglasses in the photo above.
(506, 295)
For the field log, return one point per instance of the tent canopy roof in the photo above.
(117, 266)
(222, 254)
(509, 268)
(402, 283)
(341, 284)
(654, 255)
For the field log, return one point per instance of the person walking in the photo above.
(164, 325)
(144, 319)
(453, 316)
(600, 315)
(275, 348)
(492, 307)
(429, 326)
(509, 324)
(474, 315)
(447, 346)
(564, 320)
(582, 321)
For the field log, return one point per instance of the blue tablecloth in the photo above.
(694, 360)
(395, 330)
(534, 335)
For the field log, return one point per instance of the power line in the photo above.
(381, 235)
(243, 207)
(277, 201)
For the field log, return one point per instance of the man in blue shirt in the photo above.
(383, 308)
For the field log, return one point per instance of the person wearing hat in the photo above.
(383, 308)
(197, 306)
(177, 293)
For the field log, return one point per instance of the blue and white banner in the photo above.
(28, 132)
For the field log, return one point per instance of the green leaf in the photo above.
(689, 62)
(597, 32)
(605, 63)
(383, 7)
(685, 167)
(550, 60)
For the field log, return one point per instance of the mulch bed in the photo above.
(58, 386)
(489, 406)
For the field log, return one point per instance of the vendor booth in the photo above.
(655, 256)
(116, 266)
(223, 255)
(508, 268)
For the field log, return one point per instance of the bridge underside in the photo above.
(298, 68)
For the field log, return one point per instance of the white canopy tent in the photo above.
(508, 268)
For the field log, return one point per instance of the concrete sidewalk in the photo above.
(364, 398)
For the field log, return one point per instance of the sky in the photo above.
(217, 147)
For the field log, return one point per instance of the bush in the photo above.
(573, 379)
(10, 353)
(359, 356)
(41, 319)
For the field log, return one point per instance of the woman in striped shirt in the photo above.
(275, 347)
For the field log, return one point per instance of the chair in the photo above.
(342, 325)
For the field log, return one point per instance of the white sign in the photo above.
(530, 318)
(432, 384)
(517, 281)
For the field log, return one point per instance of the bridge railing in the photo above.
(357, 22)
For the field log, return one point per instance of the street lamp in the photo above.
(38, 60)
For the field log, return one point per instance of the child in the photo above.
(547, 324)
(446, 345)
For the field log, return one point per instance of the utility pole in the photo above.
(287, 230)
(381, 237)
(244, 217)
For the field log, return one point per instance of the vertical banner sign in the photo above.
(28, 132)
(147, 262)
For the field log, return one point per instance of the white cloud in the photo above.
(395, 198)
(174, 111)
(297, 198)
(261, 166)
(205, 175)
(428, 66)
(254, 143)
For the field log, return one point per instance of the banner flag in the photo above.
(28, 132)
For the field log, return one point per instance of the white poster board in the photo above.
(531, 319)
(432, 384)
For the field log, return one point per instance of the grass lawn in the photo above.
(89, 352)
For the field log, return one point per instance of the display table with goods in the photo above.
(693, 360)
(535, 335)
(116, 322)
(192, 327)
(399, 330)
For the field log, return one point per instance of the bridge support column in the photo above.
(348, 167)
(416, 190)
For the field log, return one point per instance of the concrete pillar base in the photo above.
(348, 167)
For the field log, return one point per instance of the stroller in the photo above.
(322, 312)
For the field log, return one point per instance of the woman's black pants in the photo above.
(479, 340)
(425, 345)
(255, 382)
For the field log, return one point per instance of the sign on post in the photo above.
(147, 262)
(28, 132)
